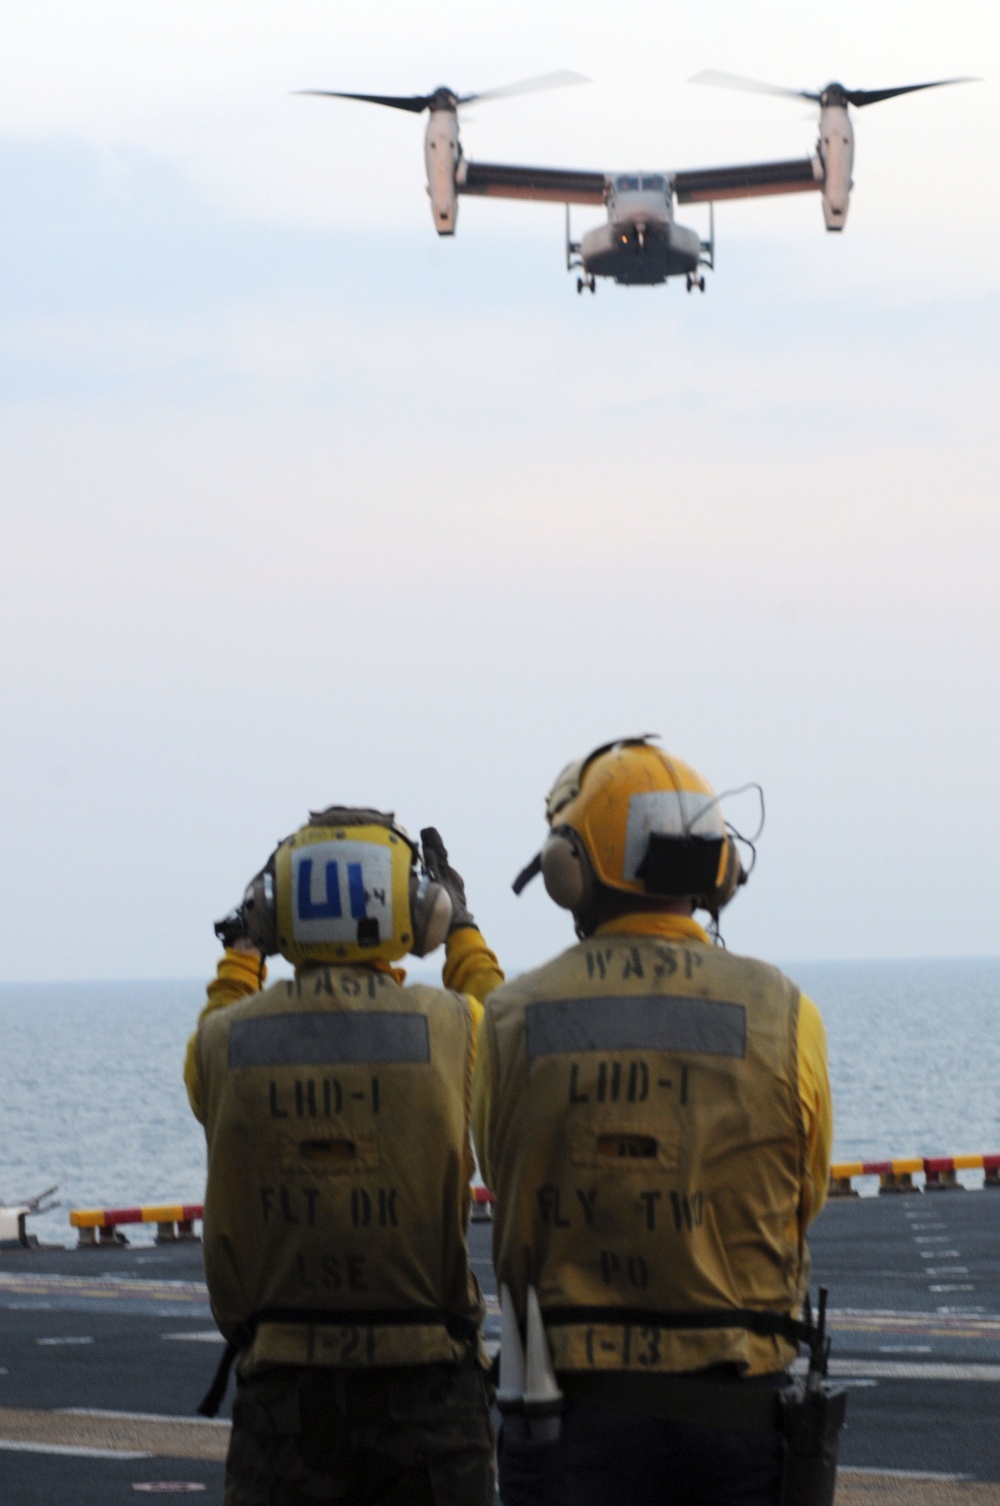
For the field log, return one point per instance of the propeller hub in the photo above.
(443, 98)
(833, 94)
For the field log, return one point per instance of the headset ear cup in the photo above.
(430, 913)
(562, 871)
(566, 871)
(259, 912)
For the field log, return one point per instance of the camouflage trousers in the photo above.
(417, 1435)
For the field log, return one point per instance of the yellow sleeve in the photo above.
(469, 965)
(482, 1098)
(470, 968)
(238, 975)
(817, 1109)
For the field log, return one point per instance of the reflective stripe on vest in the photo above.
(648, 1152)
(337, 1112)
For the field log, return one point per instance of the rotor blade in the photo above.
(413, 102)
(720, 80)
(861, 97)
(559, 80)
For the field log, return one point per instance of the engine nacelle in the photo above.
(441, 154)
(836, 152)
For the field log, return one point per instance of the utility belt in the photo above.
(766, 1325)
(348, 1338)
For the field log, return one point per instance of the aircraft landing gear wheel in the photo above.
(579, 284)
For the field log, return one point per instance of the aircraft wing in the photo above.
(567, 185)
(558, 185)
(709, 184)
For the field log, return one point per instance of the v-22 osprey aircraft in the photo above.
(641, 242)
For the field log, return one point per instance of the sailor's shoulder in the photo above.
(538, 982)
(753, 974)
(218, 1022)
(435, 1002)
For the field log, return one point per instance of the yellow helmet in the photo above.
(347, 887)
(633, 818)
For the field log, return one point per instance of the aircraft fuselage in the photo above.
(641, 242)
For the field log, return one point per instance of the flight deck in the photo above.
(105, 1353)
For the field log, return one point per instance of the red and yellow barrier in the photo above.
(482, 1203)
(99, 1226)
(897, 1176)
(174, 1221)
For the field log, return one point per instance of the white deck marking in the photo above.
(168, 1487)
(931, 1370)
(898, 1474)
(192, 1422)
(199, 1336)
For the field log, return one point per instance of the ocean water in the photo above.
(92, 1098)
(914, 1054)
(91, 1095)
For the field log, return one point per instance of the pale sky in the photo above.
(299, 504)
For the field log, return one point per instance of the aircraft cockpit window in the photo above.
(627, 183)
(654, 182)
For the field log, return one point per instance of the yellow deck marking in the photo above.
(934, 1325)
(108, 1288)
(163, 1437)
(860, 1488)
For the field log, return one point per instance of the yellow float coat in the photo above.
(336, 1110)
(642, 1116)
